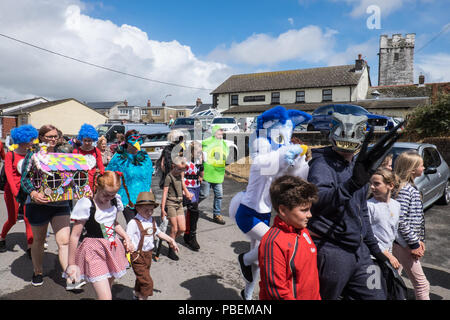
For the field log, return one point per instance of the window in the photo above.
(327, 95)
(181, 113)
(299, 96)
(275, 98)
(156, 112)
(234, 100)
(144, 111)
(396, 56)
(254, 98)
(431, 158)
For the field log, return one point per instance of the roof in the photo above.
(44, 105)
(202, 107)
(310, 107)
(27, 102)
(292, 79)
(407, 90)
(102, 105)
(171, 107)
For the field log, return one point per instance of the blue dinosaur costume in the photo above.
(272, 155)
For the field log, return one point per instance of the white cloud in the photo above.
(435, 67)
(310, 44)
(62, 27)
(291, 21)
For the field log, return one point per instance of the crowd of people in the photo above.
(349, 212)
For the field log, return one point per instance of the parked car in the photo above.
(228, 124)
(155, 143)
(322, 117)
(434, 183)
(186, 123)
(110, 130)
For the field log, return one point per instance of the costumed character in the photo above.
(340, 224)
(272, 155)
(137, 169)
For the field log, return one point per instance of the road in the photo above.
(210, 274)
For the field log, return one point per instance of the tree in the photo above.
(431, 120)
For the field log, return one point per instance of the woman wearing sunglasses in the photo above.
(41, 211)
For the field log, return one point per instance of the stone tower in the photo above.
(396, 60)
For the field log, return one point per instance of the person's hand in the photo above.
(189, 195)
(417, 253)
(129, 247)
(368, 161)
(394, 262)
(174, 245)
(39, 197)
(422, 245)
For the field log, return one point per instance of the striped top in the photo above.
(411, 226)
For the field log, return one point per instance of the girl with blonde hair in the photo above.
(410, 246)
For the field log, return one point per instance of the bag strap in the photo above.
(143, 233)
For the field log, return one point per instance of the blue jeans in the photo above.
(218, 195)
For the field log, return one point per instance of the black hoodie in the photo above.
(340, 215)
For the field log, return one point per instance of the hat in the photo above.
(146, 198)
(216, 128)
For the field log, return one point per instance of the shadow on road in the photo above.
(437, 277)
(209, 288)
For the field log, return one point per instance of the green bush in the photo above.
(430, 120)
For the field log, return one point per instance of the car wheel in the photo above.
(445, 199)
(310, 127)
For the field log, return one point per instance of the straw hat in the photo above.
(146, 198)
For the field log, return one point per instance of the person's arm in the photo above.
(75, 234)
(369, 238)
(275, 281)
(163, 202)
(392, 259)
(9, 173)
(2, 151)
(100, 165)
(404, 227)
(27, 185)
(127, 241)
(171, 241)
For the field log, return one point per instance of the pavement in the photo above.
(209, 274)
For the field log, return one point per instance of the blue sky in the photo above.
(201, 43)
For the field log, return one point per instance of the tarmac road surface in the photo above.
(210, 274)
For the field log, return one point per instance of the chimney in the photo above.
(148, 103)
(125, 103)
(198, 102)
(163, 103)
(359, 63)
(421, 80)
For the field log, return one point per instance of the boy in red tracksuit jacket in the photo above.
(287, 255)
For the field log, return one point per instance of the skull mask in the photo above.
(348, 132)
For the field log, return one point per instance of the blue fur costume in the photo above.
(272, 155)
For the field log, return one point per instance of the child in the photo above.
(384, 212)
(141, 231)
(101, 256)
(287, 255)
(387, 162)
(23, 137)
(172, 201)
(410, 245)
(193, 177)
(87, 135)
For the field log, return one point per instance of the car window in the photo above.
(355, 110)
(224, 120)
(102, 129)
(431, 158)
(323, 110)
(156, 137)
(184, 121)
(119, 129)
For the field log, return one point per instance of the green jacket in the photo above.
(216, 155)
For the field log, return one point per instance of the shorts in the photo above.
(40, 214)
(174, 208)
(247, 218)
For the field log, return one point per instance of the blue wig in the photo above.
(87, 131)
(24, 134)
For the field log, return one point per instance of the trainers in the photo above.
(245, 270)
(37, 280)
(75, 285)
(2, 245)
(218, 219)
(172, 255)
(45, 245)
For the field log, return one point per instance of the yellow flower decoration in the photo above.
(13, 147)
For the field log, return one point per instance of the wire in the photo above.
(444, 29)
(102, 67)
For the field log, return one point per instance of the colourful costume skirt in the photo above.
(100, 259)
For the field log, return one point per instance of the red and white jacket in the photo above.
(288, 264)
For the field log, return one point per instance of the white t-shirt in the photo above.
(384, 218)
(135, 235)
(81, 211)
